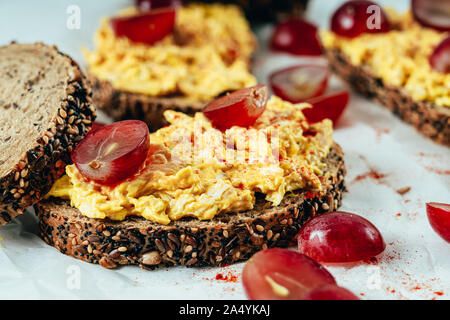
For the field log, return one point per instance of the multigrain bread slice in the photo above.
(226, 239)
(431, 120)
(45, 108)
(121, 105)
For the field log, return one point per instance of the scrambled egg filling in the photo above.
(399, 57)
(195, 170)
(207, 54)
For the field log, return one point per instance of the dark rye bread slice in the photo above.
(431, 120)
(45, 108)
(121, 105)
(226, 239)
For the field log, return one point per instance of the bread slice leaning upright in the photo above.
(45, 108)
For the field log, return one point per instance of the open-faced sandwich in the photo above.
(45, 109)
(400, 60)
(209, 189)
(148, 60)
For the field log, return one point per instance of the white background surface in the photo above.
(415, 265)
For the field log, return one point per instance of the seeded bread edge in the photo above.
(122, 105)
(431, 120)
(33, 176)
(224, 240)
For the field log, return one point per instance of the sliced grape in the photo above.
(146, 28)
(432, 13)
(330, 292)
(340, 237)
(439, 218)
(147, 5)
(359, 16)
(281, 274)
(113, 153)
(440, 58)
(96, 125)
(330, 106)
(240, 108)
(298, 83)
(297, 37)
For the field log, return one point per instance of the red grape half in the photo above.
(432, 13)
(340, 237)
(359, 16)
(297, 37)
(330, 292)
(148, 5)
(329, 106)
(114, 152)
(298, 83)
(281, 274)
(240, 108)
(440, 58)
(146, 28)
(439, 218)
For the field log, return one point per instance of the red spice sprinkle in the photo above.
(309, 195)
(229, 277)
(219, 276)
(381, 131)
(371, 174)
(439, 293)
(446, 172)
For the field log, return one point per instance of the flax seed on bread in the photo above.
(431, 120)
(225, 239)
(45, 109)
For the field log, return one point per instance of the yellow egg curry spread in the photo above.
(207, 53)
(399, 57)
(195, 170)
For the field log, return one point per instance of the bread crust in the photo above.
(121, 105)
(431, 120)
(226, 239)
(32, 177)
